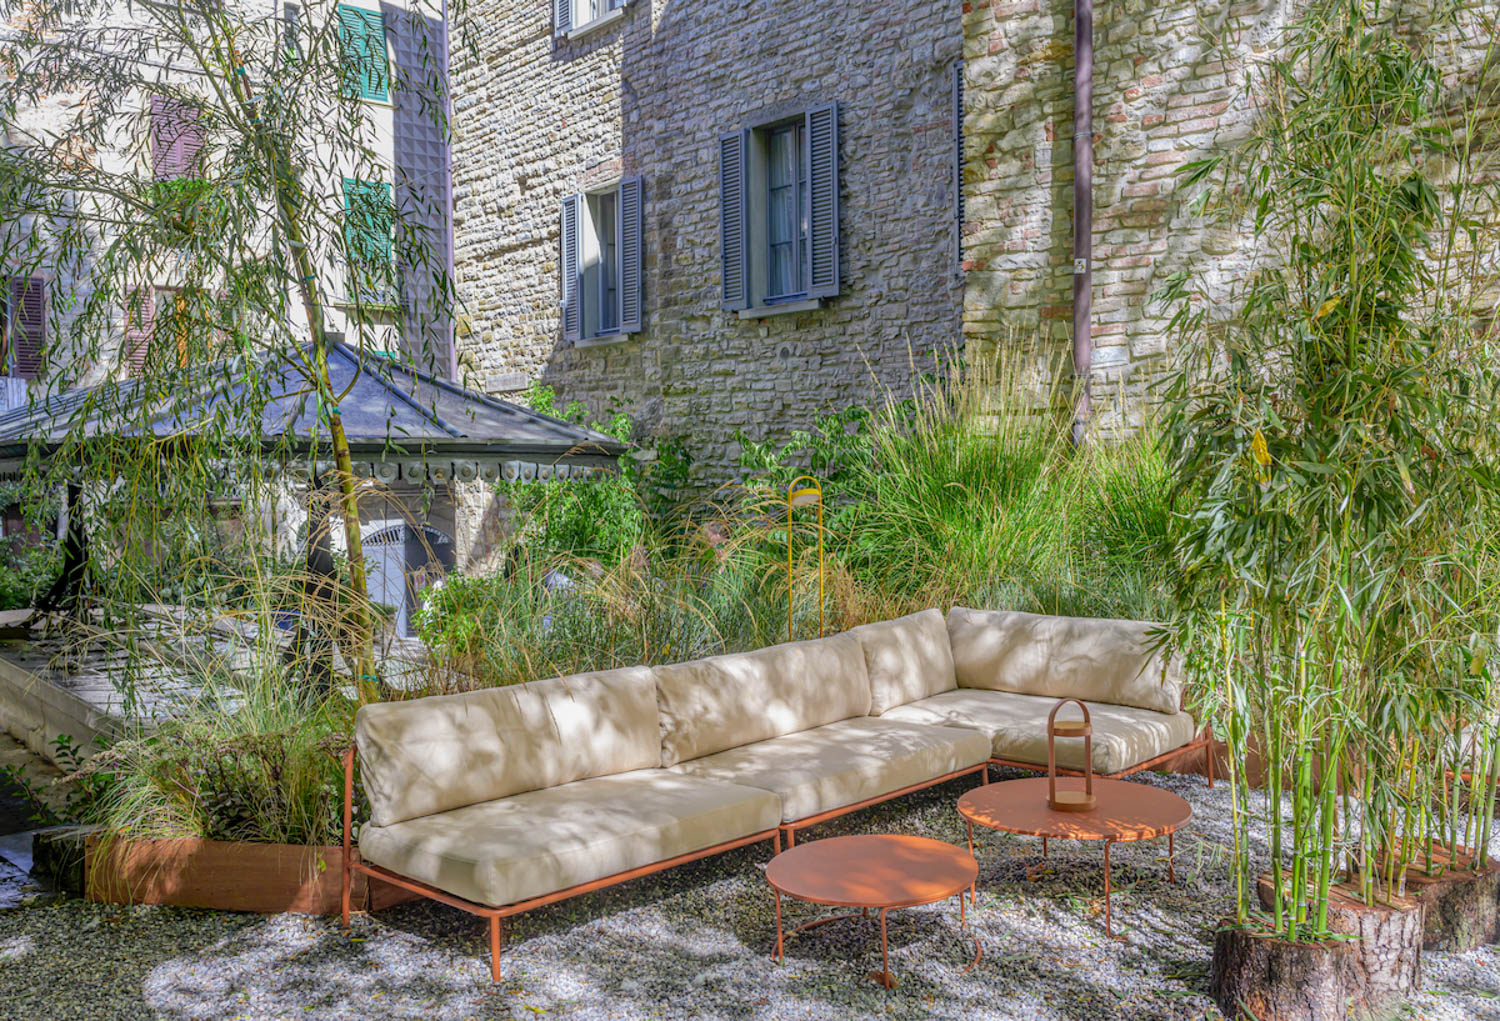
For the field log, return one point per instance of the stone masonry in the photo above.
(538, 118)
(1170, 87)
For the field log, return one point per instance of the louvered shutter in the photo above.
(823, 201)
(362, 36)
(562, 16)
(176, 138)
(734, 243)
(140, 320)
(631, 297)
(572, 280)
(28, 326)
(958, 160)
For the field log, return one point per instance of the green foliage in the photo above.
(603, 519)
(186, 207)
(30, 567)
(258, 764)
(1334, 436)
(961, 493)
(86, 791)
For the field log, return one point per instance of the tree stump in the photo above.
(1268, 979)
(1368, 977)
(1460, 906)
(1383, 963)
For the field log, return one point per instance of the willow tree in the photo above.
(1333, 427)
(197, 202)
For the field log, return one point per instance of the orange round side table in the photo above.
(872, 871)
(1124, 812)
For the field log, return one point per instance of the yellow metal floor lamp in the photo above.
(803, 492)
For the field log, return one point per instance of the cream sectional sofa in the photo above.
(505, 799)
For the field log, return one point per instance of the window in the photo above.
(23, 325)
(366, 67)
(602, 212)
(291, 31)
(779, 211)
(574, 15)
(369, 218)
(786, 207)
(601, 262)
(176, 139)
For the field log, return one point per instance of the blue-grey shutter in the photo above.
(958, 160)
(823, 201)
(628, 215)
(734, 244)
(572, 280)
(562, 16)
(28, 326)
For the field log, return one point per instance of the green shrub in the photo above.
(30, 567)
(257, 764)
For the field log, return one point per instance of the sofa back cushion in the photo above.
(433, 754)
(1097, 660)
(709, 705)
(907, 658)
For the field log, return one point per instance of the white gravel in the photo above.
(695, 943)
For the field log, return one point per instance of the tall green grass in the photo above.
(964, 490)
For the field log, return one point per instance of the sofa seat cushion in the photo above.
(710, 705)
(539, 842)
(907, 658)
(1098, 660)
(1016, 726)
(843, 763)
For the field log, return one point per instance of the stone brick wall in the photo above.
(1170, 87)
(537, 119)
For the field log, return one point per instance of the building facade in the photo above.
(1173, 83)
(717, 218)
(394, 61)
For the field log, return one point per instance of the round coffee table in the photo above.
(1125, 812)
(871, 871)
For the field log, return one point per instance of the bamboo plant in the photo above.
(1332, 433)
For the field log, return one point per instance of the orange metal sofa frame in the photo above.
(494, 914)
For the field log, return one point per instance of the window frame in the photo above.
(601, 262)
(611, 11)
(597, 323)
(745, 213)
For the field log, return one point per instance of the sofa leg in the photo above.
(776, 843)
(495, 948)
(344, 898)
(791, 837)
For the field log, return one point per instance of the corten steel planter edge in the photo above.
(223, 875)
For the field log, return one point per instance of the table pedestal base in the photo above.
(1108, 924)
(883, 977)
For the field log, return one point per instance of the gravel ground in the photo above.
(695, 943)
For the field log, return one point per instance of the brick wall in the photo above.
(537, 119)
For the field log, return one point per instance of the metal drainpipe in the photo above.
(1083, 215)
